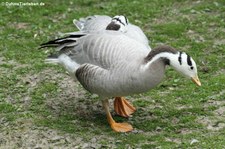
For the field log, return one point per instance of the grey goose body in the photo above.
(111, 64)
(113, 67)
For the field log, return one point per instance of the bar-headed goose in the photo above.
(118, 23)
(110, 64)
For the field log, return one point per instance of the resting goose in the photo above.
(111, 64)
(118, 23)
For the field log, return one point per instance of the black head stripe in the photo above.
(180, 59)
(189, 60)
(117, 19)
(126, 20)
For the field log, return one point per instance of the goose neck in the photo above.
(164, 54)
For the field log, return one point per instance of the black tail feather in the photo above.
(60, 41)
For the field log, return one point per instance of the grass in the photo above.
(169, 116)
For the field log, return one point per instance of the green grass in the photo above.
(169, 116)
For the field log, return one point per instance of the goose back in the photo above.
(98, 23)
(93, 23)
(106, 49)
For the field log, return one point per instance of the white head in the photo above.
(180, 61)
(118, 23)
(184, 64)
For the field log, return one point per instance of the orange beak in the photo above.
(196, 80)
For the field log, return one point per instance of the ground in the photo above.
(42, 107)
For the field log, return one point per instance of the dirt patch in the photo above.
(220, 72)
(195, 36)
(215, 122)
(175, 140)
(220, 111)
(1, 60)
(23, 133)
(26, 135)
(212, 123)
(212, 99)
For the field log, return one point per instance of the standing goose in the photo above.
(111, 64)
(120, 23)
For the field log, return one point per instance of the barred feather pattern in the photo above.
(111, 64)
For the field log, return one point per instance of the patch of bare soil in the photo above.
(23, 133)
(215, 122)
(26, 135)
(70, 93)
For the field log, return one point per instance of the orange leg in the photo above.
(118, 127)
(123, 107)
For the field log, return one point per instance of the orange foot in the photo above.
(121, 127)
(123, 107)
(118, 127)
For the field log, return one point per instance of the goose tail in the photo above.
(71, 38)
(62, 47)
(79, 24)
(70, 65)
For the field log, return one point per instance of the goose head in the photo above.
(180, 61)
(118, 23)
(184, 64)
